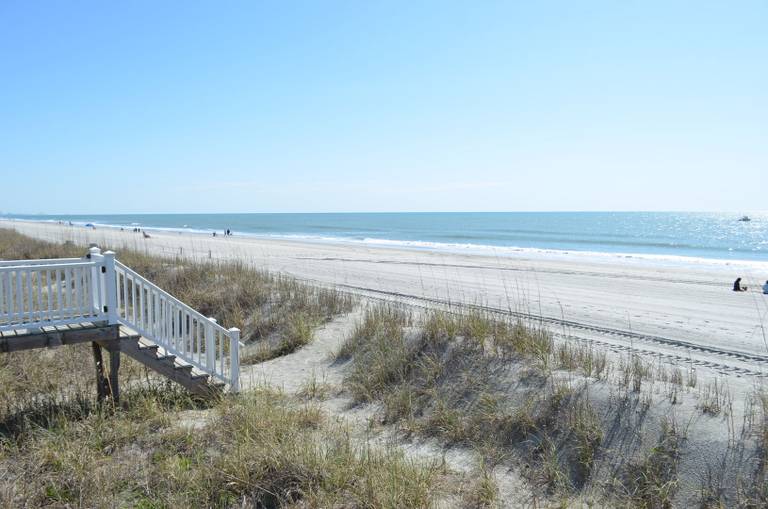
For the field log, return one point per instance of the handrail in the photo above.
(53, 266)
(39, 261)
(176, 327)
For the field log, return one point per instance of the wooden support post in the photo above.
(102, 386)
(114, 383)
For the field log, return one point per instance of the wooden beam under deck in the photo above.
(48, 337)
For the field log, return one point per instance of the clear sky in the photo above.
(109, 107)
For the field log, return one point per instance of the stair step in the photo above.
(170, 365)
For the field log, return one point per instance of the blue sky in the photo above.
(109, 107)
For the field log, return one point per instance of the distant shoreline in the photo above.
(670, 260)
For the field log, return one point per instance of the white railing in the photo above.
(40, 293)
(98, 288)
(176, 327)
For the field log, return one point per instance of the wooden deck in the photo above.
(98, 300)
(57, 335)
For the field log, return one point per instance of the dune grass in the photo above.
(162, 448)
(511, 393)
(256, 450)
(275, 313)
(450, 378)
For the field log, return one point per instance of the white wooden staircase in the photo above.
(45, 303)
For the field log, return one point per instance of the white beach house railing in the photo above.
(39, 293)
(98, 288)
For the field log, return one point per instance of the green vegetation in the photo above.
(652, 481)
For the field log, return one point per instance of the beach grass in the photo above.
(450, 378)
(515, 396)
(163, 448)
(275, 313)
(254, 450)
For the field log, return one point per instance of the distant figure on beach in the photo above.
(146, 235)
(228, 232)
(737, 286)
(214, 234)
(765, 288)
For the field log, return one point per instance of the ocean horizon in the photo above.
(713, 236)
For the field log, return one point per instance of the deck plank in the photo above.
(59, 337)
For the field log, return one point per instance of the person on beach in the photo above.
(737, 286)
(765, 288)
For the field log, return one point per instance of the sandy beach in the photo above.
(610, 299)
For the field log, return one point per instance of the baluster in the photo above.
(133, 299)
(155, 314)
(141, 307)
(199, 340)
(19, 298)
(120, 301)
(50, 294)
(125, 295)
(210, 345)
(30, 304)
(221, 352)
(38, 289)
(76, 305)
(168, 323)
(8, 292)
(59, 295)
(9, 296)
(68, 291)
(2, 298)
(234, 359)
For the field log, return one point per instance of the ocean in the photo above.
(720, 236)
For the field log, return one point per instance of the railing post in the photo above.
(234, 359)
(110, 287)
(210, 345)
(95, 256)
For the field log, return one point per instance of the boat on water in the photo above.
(745, 219)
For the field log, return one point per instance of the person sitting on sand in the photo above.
(737, 286)
(765, 288)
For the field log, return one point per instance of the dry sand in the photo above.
(666, 307)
